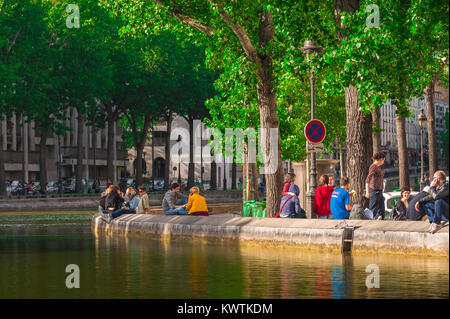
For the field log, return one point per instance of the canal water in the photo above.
(36, 248)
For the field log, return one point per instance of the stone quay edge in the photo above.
(370, 236)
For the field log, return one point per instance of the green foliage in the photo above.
(236, 105)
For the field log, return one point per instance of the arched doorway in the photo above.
(159, 167)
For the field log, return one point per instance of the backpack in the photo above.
(357, 212)
(396, 215)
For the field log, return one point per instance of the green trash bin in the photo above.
(246, 208)
(257, 209)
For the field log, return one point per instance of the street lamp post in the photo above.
(179, 159)
(309, 49)
(422, 120)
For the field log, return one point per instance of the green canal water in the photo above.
(35, 249)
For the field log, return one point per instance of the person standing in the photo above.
(374, 186)
(322, 197)
(143, 206)
(340, 200)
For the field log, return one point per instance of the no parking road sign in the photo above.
(315, 131)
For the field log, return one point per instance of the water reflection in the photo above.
(32, 265)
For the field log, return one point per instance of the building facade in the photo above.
(20, 143)
(389, 134)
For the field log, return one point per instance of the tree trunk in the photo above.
(110, 148)
(213, 179)
(2, 166)
(43, 159)
(403, 164)
(358, 124)
(191, 167)
(233, 175)
(79, 168)
(359, 145)
(433, 162)
(376, 134)
(254, 181)
(268, 119)
(167, 151)
(139, 152)
(245, 173)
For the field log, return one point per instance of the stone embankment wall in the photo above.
(91, 202)
(369, 235)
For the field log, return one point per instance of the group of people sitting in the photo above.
(114, 203)
(431, 203)
(328, 201)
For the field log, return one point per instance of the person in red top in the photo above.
(289, 179)
(321, 205)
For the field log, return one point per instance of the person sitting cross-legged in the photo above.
(170, 198)
(196, 204)
(436, 203)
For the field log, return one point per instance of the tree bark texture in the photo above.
(167, 151)
(2, 167)
(43, 159)
(359, 125)
(403, 163)
(359, 145)
(191, 166)
(79, 167)
(433, 161)
(110, 147)
(376, 135)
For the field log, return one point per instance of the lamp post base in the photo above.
(422, 185)
(310, 204)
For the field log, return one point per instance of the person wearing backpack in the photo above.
(399, 211)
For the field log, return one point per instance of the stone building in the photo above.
(22, 154)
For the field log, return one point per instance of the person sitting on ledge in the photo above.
(129, 206)
(197, 203)
(290, 205)
(436, 203)
(113, 202)
(143, 206)
(340, 200)
(169, 200)
(102, 202)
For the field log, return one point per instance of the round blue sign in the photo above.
(315, 131)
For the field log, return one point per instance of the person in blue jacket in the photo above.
(290, 205)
